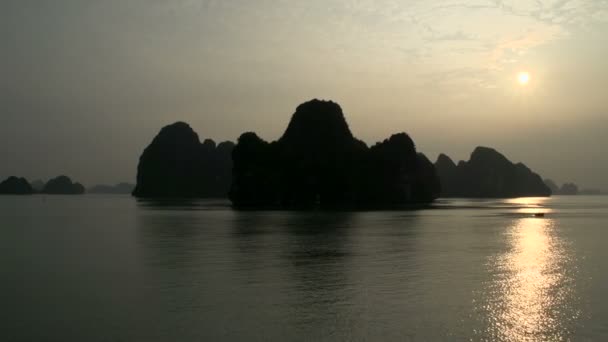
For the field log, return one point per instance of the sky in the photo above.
(86, 85)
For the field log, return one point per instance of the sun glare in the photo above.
(523, 78)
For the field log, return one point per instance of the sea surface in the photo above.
(111, 268)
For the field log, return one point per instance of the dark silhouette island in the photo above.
(62, 185)
(15, 186)
(488, 174)
(177, 164)
(319, 163)
(119, 189)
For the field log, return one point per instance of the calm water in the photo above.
(109, 268)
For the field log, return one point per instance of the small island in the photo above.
(319, 163)
(62, 185)
(567, 189)
(15, 186)
(488, 174)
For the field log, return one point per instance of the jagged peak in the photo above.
(225, 144)
(179, 133)
(178, 125)
(249, 137)
(421, 156)
(209, 143)
(482, 153)
(402, 138)
(483, 150)
(317, 119)
(444, 159)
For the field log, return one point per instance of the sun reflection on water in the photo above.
(530, 205)
(531, 295)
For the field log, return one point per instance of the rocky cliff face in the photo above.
(488, 174)
(177, 164)
(318, 162)
(15, 186)
(63, 185)
(427, 182)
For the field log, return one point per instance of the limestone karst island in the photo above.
(318, 162)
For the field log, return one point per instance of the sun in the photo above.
(523, 78)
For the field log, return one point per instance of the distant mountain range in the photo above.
(570, 189)
(120, 188)
(488, 174)
(317, 162)
(61, 185)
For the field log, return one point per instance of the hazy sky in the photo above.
(86, 85)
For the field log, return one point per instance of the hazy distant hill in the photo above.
(15, 186)
(63, 185)
(569, 189)
(488, 174)
(120, 188)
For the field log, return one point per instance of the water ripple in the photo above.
(531, 295)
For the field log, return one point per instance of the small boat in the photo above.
(539, 214)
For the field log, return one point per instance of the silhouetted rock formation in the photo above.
(552, 186)
(568, 189)
(318, 162)
(15, 186)
(176, 164)
(450, 176)
(63, 185)
(427, 184)
(120, 188)
(488, 174)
